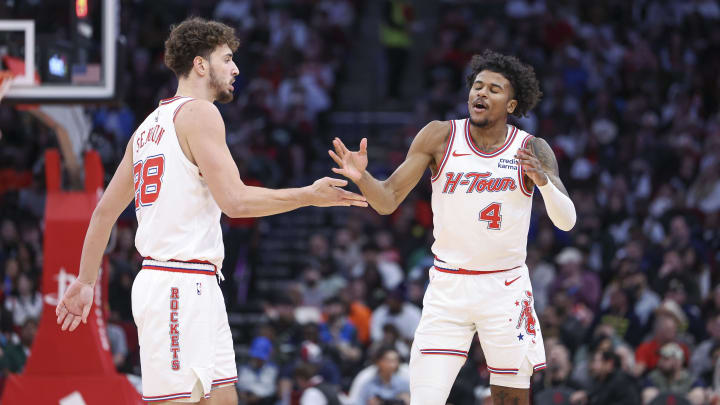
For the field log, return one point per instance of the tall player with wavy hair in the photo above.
(178, 170)
(484, 172)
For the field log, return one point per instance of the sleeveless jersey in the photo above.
(178, 219)
(480, 202)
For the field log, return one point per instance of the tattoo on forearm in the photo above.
(546, 156)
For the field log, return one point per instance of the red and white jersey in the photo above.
(178, 218)
(481, 205)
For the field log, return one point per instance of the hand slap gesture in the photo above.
(352, 164)
(74, 305)
(532, 166)
(326, 192)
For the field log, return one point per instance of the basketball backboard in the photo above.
(61, 51)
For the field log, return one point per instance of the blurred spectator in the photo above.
(118, 345)
(257, 379)
(313, 390)
(620, 316)
(580, 284)
(701, 362)
(391, 338)
(337, 333)
(396, 40)
(611, 386)
(391, 274)
(26, 303)
(403, 315)
(555, 385)
(388, 386)
(358, 314)
(671, 377)
(667, 320)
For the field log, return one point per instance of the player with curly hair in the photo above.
(178, 171)
(484, 172)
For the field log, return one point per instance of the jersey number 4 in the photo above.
(147, 177)
(491, 214)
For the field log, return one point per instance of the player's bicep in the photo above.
(202, 125)
(121, 189)
(544, 153)
(418, 159)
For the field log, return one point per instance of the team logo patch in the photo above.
(526, 318)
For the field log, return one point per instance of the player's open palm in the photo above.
(74, 305)
(327, 192)
(351, 164)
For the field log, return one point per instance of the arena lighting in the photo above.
(81, 8)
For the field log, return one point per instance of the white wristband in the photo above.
(559, 207)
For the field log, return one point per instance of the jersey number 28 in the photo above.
(491, 214)
(147, 177)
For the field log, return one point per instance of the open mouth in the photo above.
(479, 106)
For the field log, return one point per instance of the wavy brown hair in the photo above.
(195, 37)
(521, 76)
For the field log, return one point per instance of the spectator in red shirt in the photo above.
(668, 319)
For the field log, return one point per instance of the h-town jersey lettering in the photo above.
(481, 204)
(172, 199)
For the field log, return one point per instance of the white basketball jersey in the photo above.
(178, 219)
(481, 205)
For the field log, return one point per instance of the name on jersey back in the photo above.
(152, 135)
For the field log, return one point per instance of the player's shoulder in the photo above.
(197, 112)
(436, 131)
(198, 106)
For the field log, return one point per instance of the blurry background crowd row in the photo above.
(629, 300)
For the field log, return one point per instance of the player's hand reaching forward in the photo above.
(74, 305)
(352, 164)
(326, 192)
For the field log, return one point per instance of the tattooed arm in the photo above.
(541, 168)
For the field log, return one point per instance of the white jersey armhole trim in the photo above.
(183, 158)
(446, 157)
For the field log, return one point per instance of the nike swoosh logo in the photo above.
(512, 281)
(460, 154)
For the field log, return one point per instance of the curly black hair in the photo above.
(521, 76)
(195, 37)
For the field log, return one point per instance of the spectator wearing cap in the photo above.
(257, 379)
(668, 319)
(581, 285)
(404, 315)
(671, 376)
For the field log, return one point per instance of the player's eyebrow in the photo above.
(491, 84)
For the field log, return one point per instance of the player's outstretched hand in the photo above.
(326, 192)
(352, 164)
(74, 305)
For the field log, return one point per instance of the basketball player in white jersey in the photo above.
(178, 170)
(483, 175)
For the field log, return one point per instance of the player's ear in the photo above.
(511, 105)
(200, 65)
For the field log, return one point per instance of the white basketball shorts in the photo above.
(498, 306)
(186, 348)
